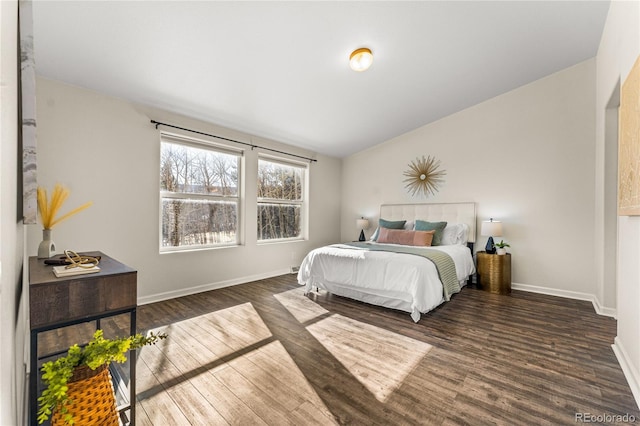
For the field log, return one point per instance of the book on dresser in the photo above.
(63, 271)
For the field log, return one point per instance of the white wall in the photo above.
(525, 157)
(619, 49)
(105, 149)
(12, 320)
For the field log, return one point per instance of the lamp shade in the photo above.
(491, 228)
(362, 223)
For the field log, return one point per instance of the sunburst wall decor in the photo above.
(423, 176)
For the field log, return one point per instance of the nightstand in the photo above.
(494, 272)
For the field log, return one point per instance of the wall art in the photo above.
(423, 176)
(27, 104)
(629, 145)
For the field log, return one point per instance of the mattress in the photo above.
(406, 282)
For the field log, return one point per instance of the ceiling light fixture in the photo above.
(361, 59)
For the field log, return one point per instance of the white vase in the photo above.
(47, 248)
(501, 250)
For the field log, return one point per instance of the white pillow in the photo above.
(463, 236)
(455, 233)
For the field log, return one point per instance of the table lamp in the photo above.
(362, 224)
(491, 228)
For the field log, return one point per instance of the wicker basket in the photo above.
(92, 398)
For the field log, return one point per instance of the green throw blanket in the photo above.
(444, 263)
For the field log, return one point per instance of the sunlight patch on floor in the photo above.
(225, 332)
(378, 358)
(241, 371)
(271, 369)
(299, 306)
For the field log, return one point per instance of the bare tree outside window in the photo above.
(199, 195)
(280, 200)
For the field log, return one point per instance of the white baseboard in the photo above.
(600, 310)
(630, 372)
(206, 287)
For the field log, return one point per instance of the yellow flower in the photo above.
(48, 210)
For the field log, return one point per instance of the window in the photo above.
(199, 194)
(281, 199)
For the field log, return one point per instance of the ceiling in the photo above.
(280, 70)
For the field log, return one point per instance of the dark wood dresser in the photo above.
(67, 301)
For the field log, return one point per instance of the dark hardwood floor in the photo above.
(263, 353)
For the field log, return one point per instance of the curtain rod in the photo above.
(157, 123)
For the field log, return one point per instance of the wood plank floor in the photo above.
(263, 353)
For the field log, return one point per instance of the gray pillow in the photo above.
(423, 225)
(389, 224)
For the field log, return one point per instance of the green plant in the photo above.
(99, 351)
(502, 244)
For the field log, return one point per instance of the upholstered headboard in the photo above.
(434, 212)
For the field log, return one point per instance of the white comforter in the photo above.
(401, 281)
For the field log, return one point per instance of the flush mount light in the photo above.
(361, 59)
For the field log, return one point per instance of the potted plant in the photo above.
(501, 247)
(69, 379)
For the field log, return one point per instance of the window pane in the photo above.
(193, 170)
(198, 222)
(278, 221)
(279, 181)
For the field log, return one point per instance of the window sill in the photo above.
(173, 250)
(281, 241)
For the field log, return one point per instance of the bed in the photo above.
(399, 276)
